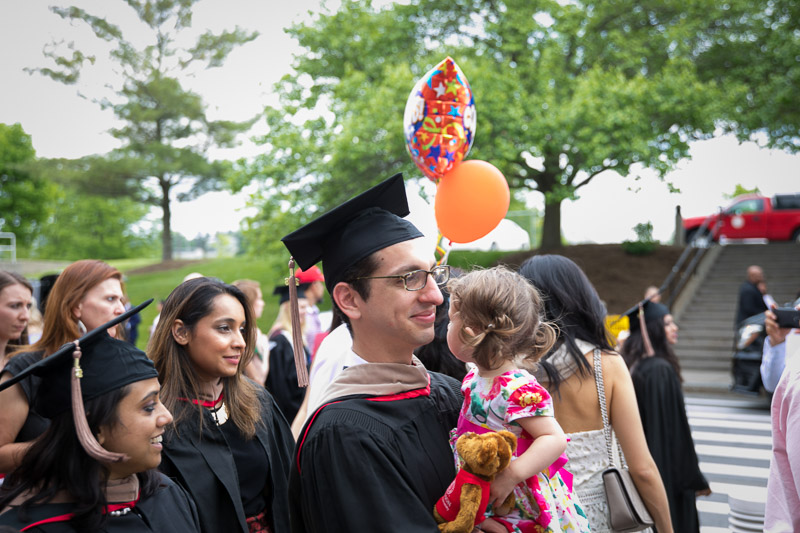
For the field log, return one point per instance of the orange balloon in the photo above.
(471, 200)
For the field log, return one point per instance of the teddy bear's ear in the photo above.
(462, 444)
(510, 438)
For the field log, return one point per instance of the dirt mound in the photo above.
(620, 279)
(165, 265)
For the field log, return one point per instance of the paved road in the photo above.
(733, 440)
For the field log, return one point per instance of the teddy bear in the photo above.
(463, 505)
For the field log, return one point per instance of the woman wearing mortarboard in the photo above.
(94, 467)
(657, 380)
(86, 294)
(229, 446)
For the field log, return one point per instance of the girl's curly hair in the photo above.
(505, 315)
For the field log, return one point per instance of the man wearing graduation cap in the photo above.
(375, 456)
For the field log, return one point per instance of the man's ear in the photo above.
(348, 300)
(180, 332)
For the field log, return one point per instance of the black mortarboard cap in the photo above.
(283, 292)
(355, 229)
(652, 311)
(107, 363)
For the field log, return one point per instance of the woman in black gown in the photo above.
(657, 380)
(230, 446)
(98, 474)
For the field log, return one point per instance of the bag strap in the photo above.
(601, 394)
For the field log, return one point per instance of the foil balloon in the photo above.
(439, 120)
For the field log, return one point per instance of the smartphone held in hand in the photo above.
(787, 317)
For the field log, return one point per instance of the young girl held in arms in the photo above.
(494, 324)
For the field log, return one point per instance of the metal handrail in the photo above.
(699, 252)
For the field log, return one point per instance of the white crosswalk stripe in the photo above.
(734, 445)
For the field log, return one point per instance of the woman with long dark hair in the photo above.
(86, 295)
(567, 372)
(657, 380)
(97, 473)
(16, 295)
(230, 446)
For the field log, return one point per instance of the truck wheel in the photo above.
(796, 236)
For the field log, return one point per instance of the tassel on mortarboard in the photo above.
(85, 436)
(297, 333)
(648, 346)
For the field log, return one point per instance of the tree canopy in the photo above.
(82, 225)
(164, 129)
(564, 92)
(753, 49)
(23, 192)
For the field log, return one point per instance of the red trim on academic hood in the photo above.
(204, 403)
(68, 516)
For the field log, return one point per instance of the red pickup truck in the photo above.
(751, 216)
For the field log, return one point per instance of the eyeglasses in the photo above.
(417, 279)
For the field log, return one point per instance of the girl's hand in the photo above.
(502, 486)
(491, 526)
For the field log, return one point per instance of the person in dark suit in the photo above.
(751, 299)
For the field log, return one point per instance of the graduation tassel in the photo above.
(85, 436)
(297, 332)
(648, 346)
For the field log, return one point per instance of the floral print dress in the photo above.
(544, 503)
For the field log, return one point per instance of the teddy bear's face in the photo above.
(486, 454)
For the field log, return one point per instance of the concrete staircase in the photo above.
(706, 334)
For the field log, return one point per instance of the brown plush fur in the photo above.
(483, 455)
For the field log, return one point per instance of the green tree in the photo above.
(24, 193)
(164, 129)
(82, 226)
(739, 190)
(564, 91)
(753, 49)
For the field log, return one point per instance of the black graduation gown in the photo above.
(365, 465)
(168, 510)
(35, 424)
(205, 467)
(666, 428)
(282, 377)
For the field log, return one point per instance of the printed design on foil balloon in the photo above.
(439, 120)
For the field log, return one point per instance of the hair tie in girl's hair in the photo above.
(489, 327)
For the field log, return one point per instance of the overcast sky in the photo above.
(64, 125)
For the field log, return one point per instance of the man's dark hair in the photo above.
(364, 267)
